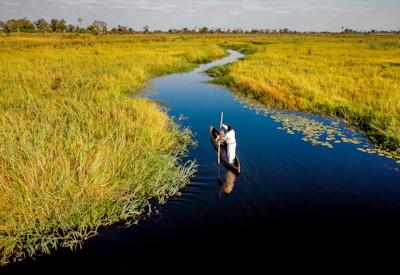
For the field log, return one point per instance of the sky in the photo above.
(300, 15)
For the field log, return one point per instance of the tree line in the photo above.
(101, 27)
(58, 25)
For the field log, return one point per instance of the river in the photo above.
(287, 182)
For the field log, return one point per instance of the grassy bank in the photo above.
(76, 152)
(354, 77)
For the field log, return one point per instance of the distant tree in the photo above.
(62, 26)
(146, 29)
(81, 30)
(204, 30)
(42, 25)
(91, 29)
(10, 26)
(347, 30)
(19, 25)
(80, 20)
(27, 25)
(237, 30)
(98, 27)
(2, 25)
(53, 24)
(284, 30)
(71, 28)
(123, 29)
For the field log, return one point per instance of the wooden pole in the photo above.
(219, 152)
(219, 142)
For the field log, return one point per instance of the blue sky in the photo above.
(302, 15)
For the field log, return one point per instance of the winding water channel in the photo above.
(288, 180)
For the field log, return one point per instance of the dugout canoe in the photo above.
(235, 166)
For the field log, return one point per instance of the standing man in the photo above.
(230, 138)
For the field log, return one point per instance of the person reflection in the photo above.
(227, 185)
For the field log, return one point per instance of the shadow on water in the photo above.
(293, 187)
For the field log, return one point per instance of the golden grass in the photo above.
(75, 151)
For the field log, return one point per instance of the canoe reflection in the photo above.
(227, 185)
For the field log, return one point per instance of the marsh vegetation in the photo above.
(77, 151)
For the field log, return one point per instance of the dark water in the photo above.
(288, 191)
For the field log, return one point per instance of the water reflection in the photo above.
(227, 185)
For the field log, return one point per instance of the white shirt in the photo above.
(230, 136)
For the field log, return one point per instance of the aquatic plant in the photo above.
(326, 132)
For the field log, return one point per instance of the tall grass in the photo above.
(76, 152)
(355, 77)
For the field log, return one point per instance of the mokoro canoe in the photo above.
(235, 166)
